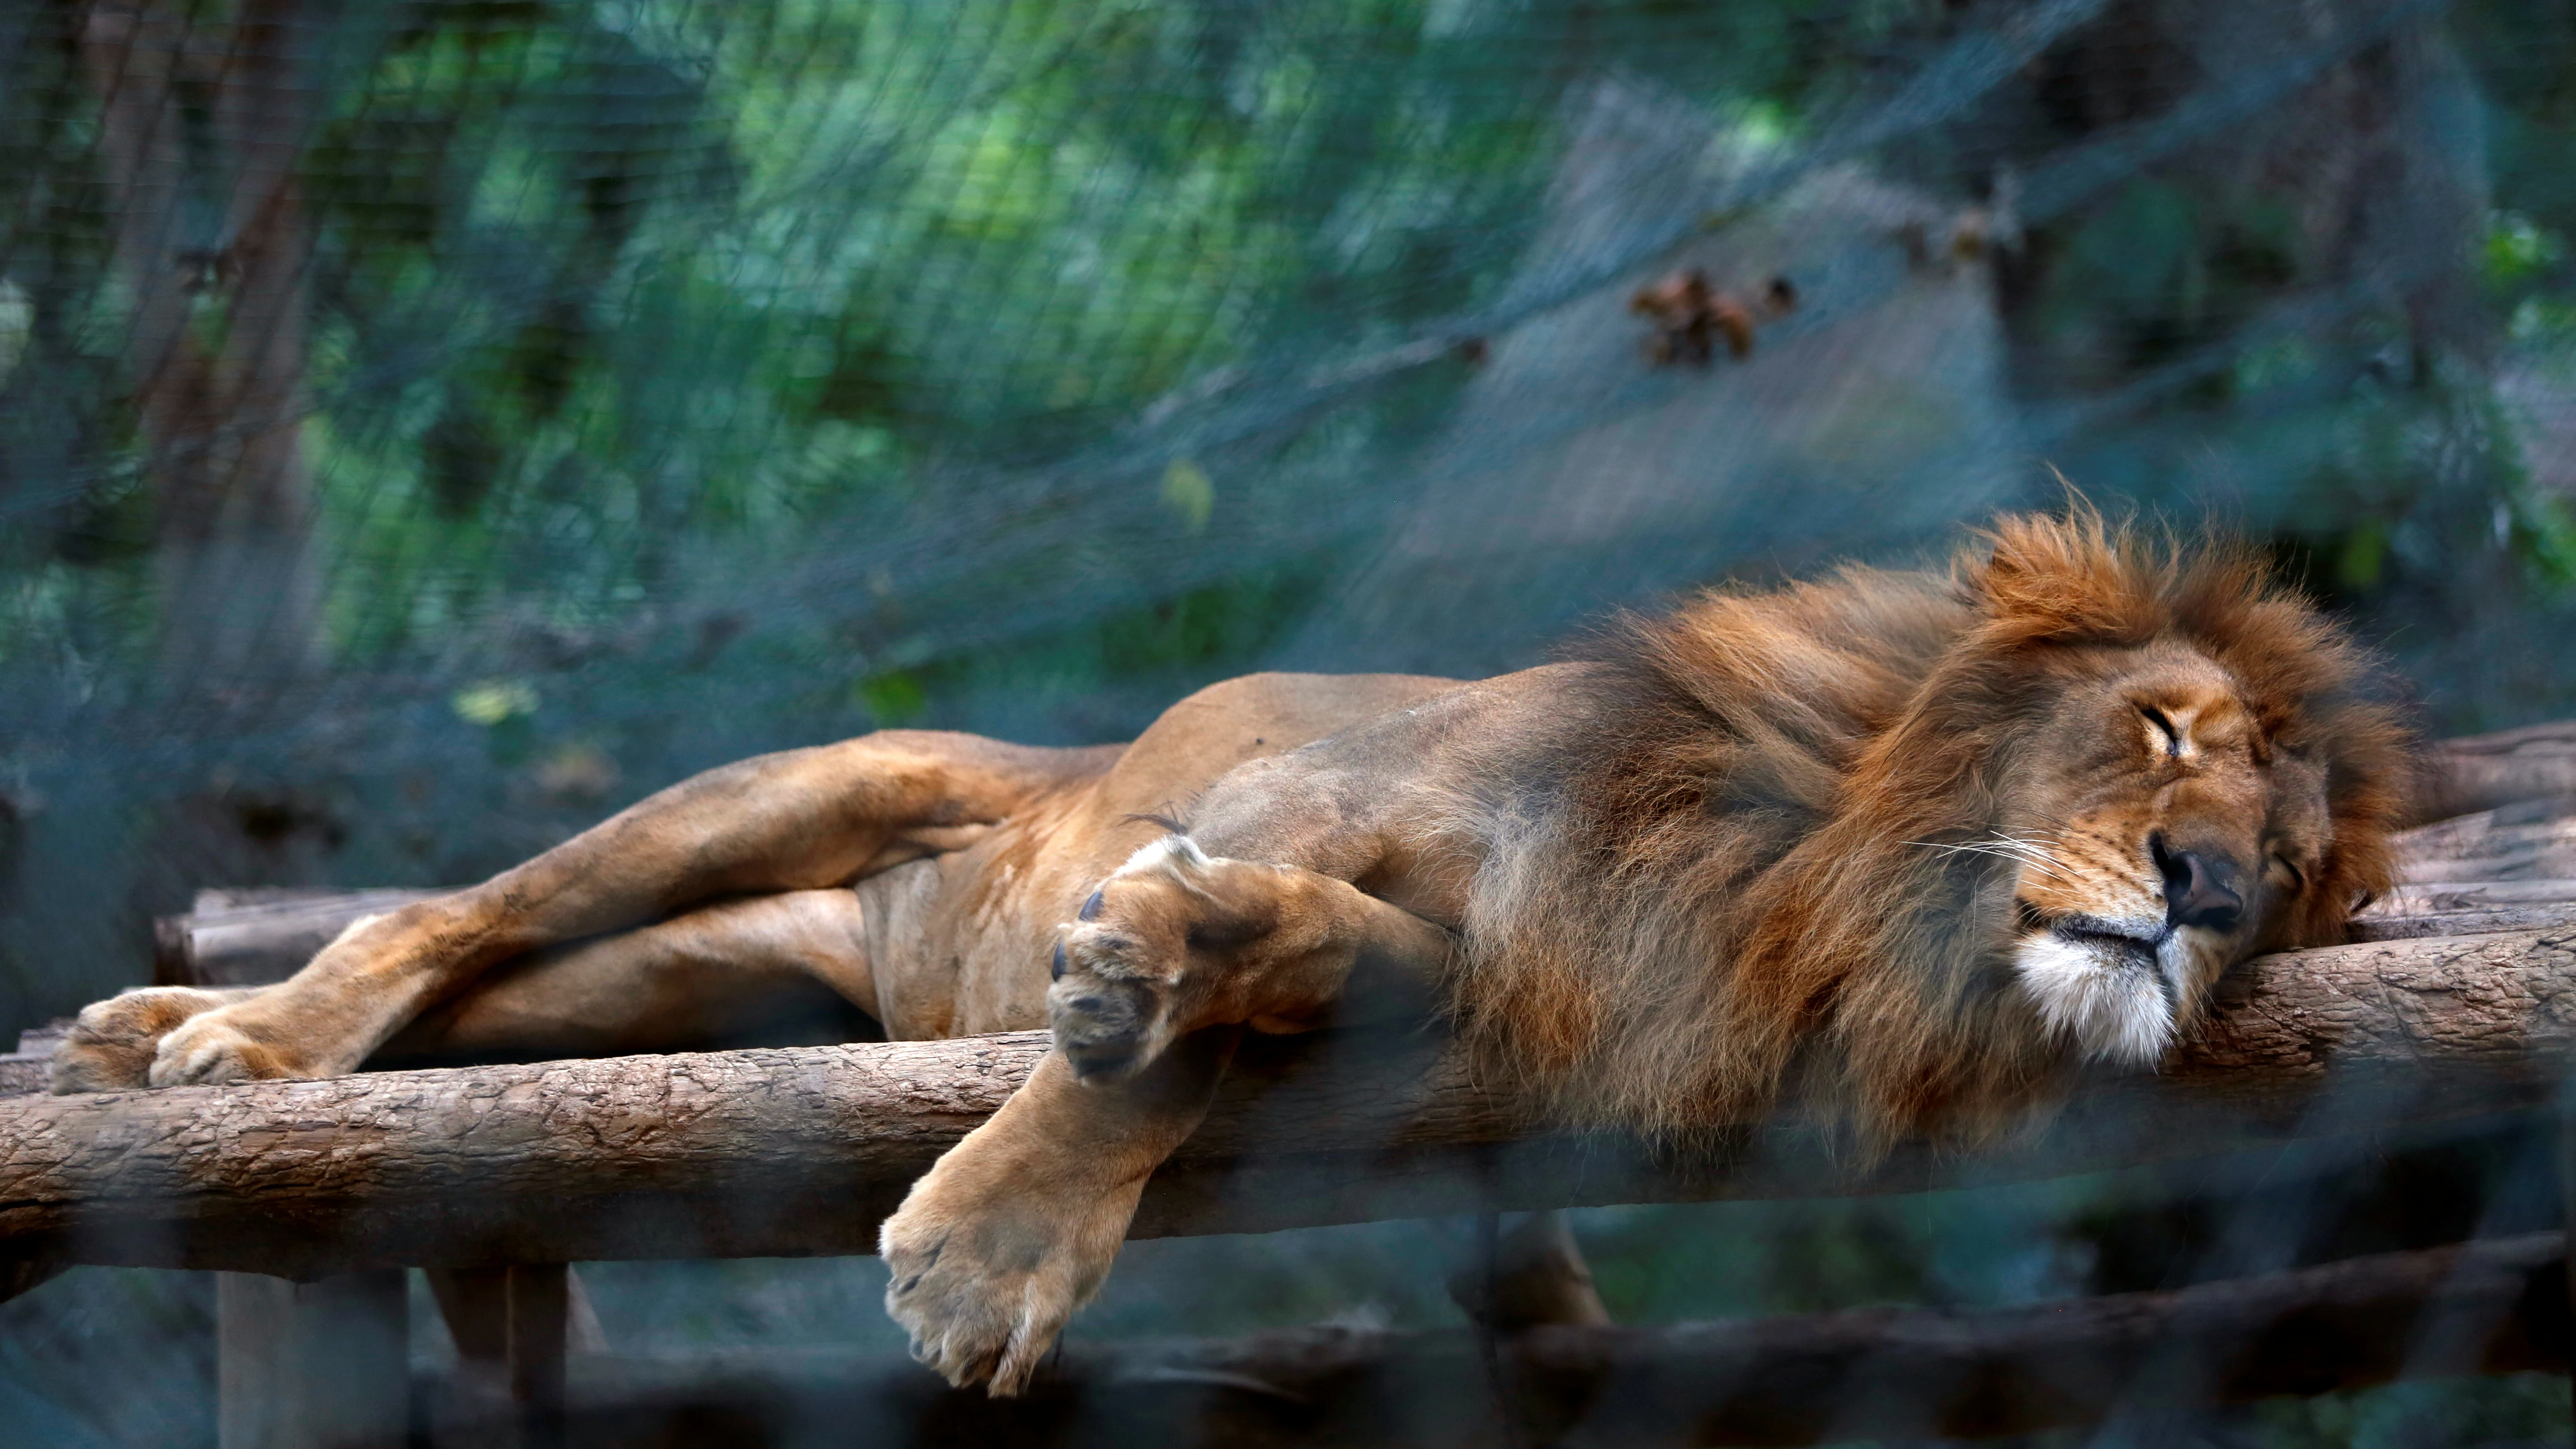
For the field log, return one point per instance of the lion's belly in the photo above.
(952, 955)
(959, 944)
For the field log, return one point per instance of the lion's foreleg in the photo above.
(1167, 961)
(1017, 1225)
(1177, 941)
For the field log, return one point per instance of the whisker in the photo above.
(2006, 848)
(2032, 854)
(2033, 845)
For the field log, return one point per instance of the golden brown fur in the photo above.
(1908, 843)
(1732, 880)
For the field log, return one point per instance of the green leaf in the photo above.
(1189, 493)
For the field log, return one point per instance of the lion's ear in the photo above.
(2065, 578)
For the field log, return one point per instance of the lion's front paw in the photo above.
(1123, 966)
(1110, 1013)
(984, 1288)
(112, 1042)
(216, 1048)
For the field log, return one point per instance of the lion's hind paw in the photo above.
(213, 1048)
(112, 1043)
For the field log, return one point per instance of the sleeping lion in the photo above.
(1906, 844)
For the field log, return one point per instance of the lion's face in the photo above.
(2167, 839)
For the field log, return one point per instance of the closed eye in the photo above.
(2298, 877)
(2164, 727)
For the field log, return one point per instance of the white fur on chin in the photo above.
(2099, 995)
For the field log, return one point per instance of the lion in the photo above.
(1908, 844)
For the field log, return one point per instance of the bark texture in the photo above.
(802, 1150)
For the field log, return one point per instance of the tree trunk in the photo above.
(203, 117)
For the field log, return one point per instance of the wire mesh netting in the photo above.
(425, 417)
(425, 427)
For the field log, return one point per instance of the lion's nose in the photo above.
(2200, 889)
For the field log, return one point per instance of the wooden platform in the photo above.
(2456, 1000)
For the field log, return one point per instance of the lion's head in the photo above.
(2196, 772)
(1925, 838)
(2161, 835)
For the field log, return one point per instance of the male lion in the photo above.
(1909, 842)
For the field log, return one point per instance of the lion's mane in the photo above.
(1711, 894)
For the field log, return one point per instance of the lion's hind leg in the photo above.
(111, 1044)
(726, 970)
(797, 820)
(723, 974)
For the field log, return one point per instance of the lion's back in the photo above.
(1254, 716)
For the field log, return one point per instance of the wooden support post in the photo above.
(539, 1312)
(512, 1327)
(472, 1407)
(2567, 1203)
(320, 1365)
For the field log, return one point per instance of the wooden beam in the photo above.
(802, 1150)
(2481, 772)
(2489, 1307)
(253, 937)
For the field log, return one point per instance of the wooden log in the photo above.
(2481, 772)
(2488, 1307)
(29, 1068)
(802, 1150)
(254, 937)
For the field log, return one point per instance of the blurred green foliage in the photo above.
(609, 297)
(604, 289)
